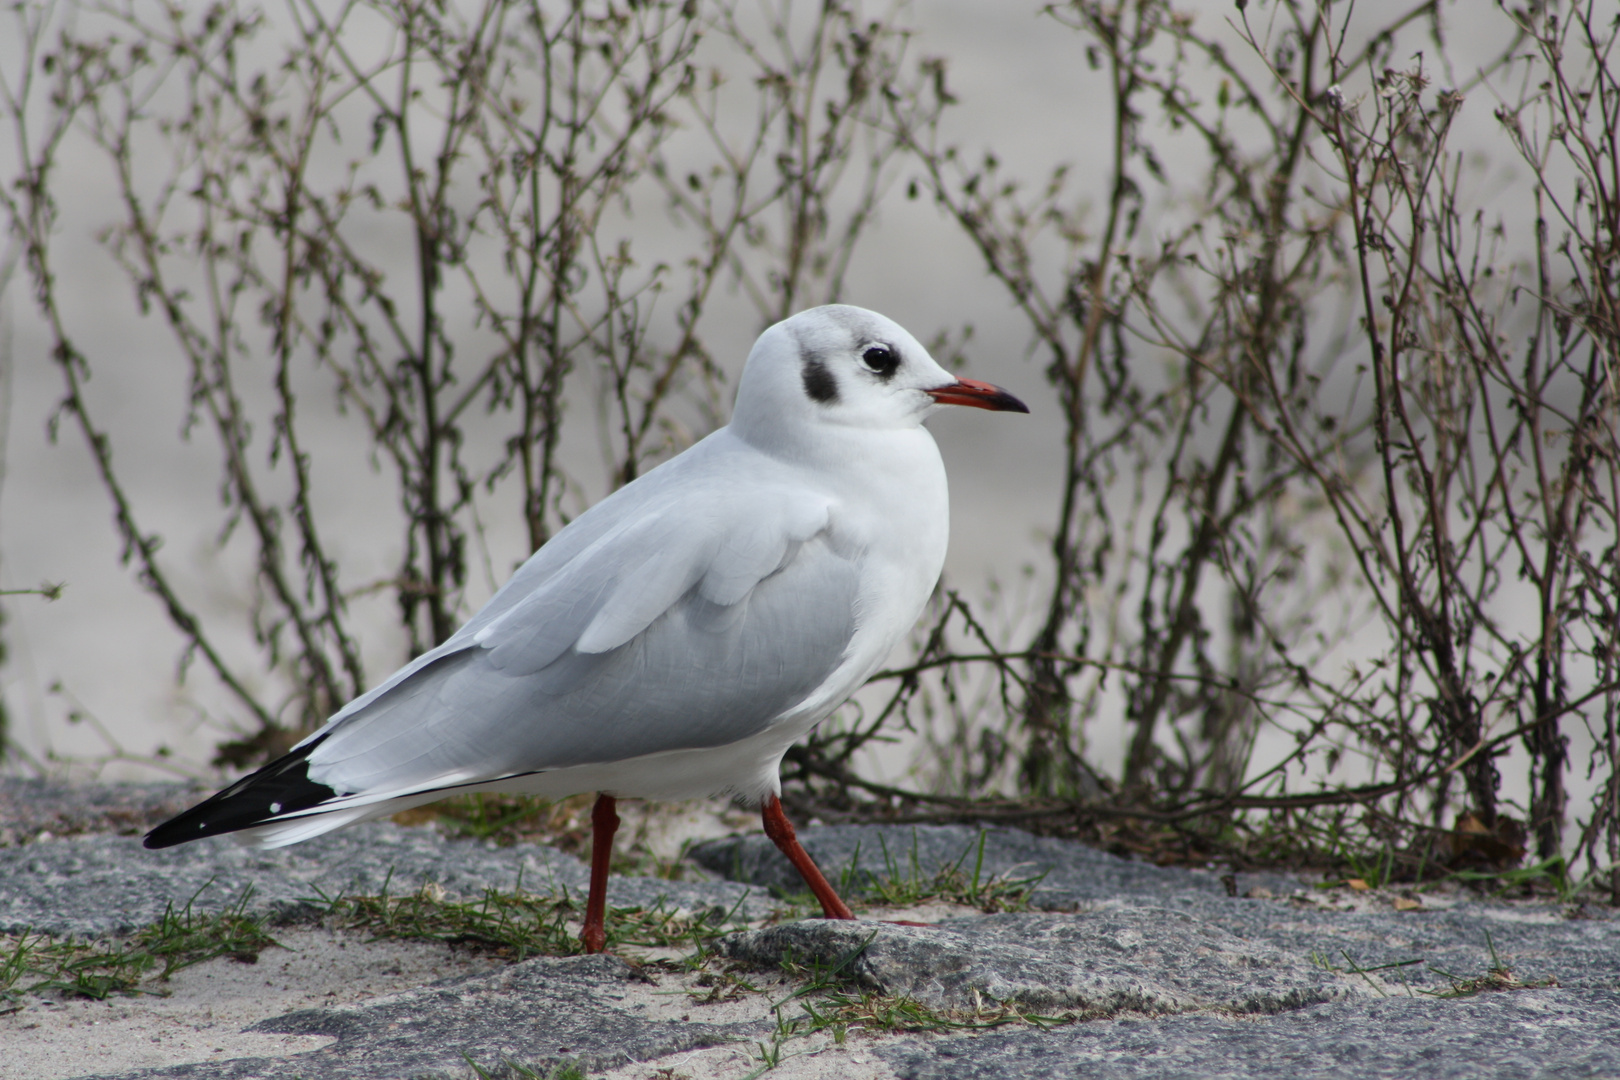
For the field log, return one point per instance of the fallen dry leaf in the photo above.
(1476, 845)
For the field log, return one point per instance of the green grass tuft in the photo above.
(904, 883)
(33, 963)
(1498, 976)
(517, 924)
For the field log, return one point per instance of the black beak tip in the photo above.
(979, 395)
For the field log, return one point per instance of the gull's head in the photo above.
(844, 366)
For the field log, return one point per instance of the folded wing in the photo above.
(660, 631)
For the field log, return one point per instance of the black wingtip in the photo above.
(280, 788)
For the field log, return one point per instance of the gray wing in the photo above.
(690, 617)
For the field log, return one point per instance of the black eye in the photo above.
(880, 359)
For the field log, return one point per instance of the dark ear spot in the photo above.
(819, 382)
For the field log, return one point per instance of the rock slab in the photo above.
(1101, 963)
(1521, 1035)
(1063, 875)
(533, 1015)
(88, 886)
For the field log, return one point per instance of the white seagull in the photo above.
(674, 640)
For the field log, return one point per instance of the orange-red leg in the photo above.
(604, 823)
(780, 830)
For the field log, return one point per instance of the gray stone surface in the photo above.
(1457, 937)
(30, 807)
(1070, 874)
(1165, 973)
(90, 885)
(1462, 940)
(1522, 1035)
(1144, 960)
(537, 1014)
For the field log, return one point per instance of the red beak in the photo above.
(980, 395)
